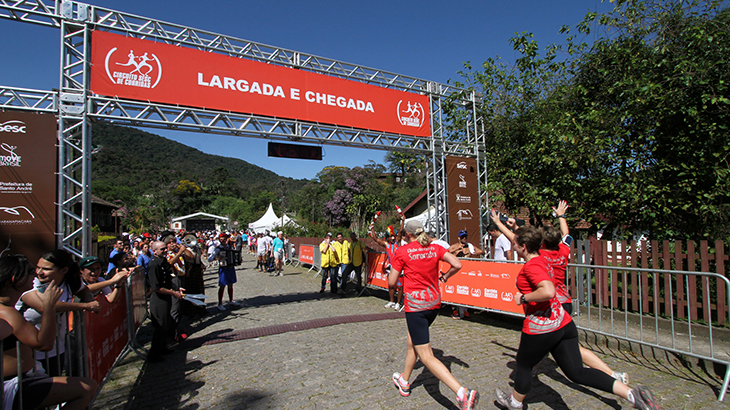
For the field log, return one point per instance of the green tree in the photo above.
(633, 130)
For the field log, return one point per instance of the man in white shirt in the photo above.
(502, 245)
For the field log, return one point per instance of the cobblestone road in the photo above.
(332, 352)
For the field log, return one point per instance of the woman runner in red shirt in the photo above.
(548, 328)
(419, 262)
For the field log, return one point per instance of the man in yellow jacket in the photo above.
(329, 262)
(356, 259)
(343, 252)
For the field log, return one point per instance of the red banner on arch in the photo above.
(145, 70)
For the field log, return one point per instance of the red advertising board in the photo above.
(376, 270)
(145, 70)
(107, 334)
(306, 254)
(487, 285)
(27, 183)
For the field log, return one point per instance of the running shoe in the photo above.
(389, 304)
(221, 308)
(234, 303)
(504, 399)
(644, 399)
(404, 389)
(397, 306)
(622, 377)
(471, 398)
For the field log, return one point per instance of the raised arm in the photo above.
(560, 213)
(371, 233)
(495, 218)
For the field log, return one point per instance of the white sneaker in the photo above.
(622, 377)
(234, 303)
(397, 306)
(221, 308)
(389, 304)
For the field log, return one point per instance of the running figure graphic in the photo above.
(138, 65)
(413, 110)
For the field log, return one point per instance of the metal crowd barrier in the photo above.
(80, 355)
(652, 328)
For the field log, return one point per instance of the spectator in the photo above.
(38, 390)
(59, 267)
(277, 252)
(343, 254)
(163, 290)
(118, 248)
(464, 249)
(391, 245)
(356, 258)
(241, 241)
(226, 271)
(502, 245)
(91, 275)
(262, 251)
(329, 262)
(145, 257)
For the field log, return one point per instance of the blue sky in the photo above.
(427, 39)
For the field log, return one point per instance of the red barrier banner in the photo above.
(145, 70)
(481, 284)
(376, 270)
(107, 334)
(306, 254)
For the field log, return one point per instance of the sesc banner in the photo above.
(463, 198)
(145, 70)
(27, 183)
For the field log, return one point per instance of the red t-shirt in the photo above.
(558, 260)
(420, 267)
(540, 317)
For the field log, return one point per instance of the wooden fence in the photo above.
(679, 295)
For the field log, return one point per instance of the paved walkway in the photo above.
(290, 347)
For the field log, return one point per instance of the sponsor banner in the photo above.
(306, 254)
(107, 334)
(27, 183)
(377, 277)
(463, 198)
(144, 70)
(485, 285)
(480, 284)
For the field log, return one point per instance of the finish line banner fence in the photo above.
(110, 334)
(479, 284)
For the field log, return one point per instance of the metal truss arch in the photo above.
(77, 108)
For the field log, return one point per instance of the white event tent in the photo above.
(270, 221)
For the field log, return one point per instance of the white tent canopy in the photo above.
(266, 222)
(284, 221)
(427, 218)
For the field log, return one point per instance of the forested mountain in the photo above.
(132, 162)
